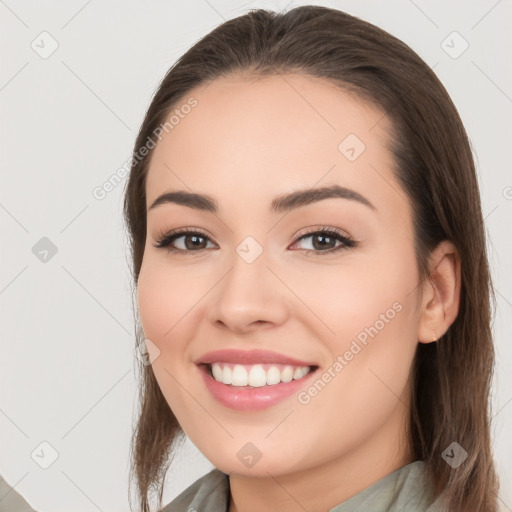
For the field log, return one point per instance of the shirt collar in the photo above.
(404, 489)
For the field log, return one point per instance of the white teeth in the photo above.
(255, 375)
(287, 374)
(227, 375)
(273, 375)
(297, 374)
(218, 373)
(240, 376)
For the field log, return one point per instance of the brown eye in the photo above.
(187, 241)
(324, 241)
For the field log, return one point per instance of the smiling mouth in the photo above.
(256, 375)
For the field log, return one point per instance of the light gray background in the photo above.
(68, 123)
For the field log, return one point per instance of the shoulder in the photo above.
(407, 488)
(207, 494)
(12, 501)
(414, 490)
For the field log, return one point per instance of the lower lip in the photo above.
(251, 398)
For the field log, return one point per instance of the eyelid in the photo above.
(320, 228)
(166, 238)
(347, 241)
(174, 234)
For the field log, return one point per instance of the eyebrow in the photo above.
(280, 204)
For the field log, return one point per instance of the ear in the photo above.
(441, 296)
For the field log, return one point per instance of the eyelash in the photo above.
(165, 240)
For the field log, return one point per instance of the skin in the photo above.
(246, 142)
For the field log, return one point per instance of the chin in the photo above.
(255, 460)
(260, 469)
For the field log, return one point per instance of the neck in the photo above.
(325, 486)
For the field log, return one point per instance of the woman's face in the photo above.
(245, 296)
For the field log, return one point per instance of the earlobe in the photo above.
(440, 301)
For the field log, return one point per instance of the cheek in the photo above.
(362, 292)
(369, 307)
(165, 298)
(163, 295)
(372, 310)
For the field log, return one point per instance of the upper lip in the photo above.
(250, 357)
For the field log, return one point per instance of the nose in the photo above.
(249, 297)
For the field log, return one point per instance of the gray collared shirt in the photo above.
(10, 500)
(403, 490)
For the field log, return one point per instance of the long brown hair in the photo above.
(434, 165)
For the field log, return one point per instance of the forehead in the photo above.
(258, 135)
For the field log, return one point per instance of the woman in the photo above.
(311, 275)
